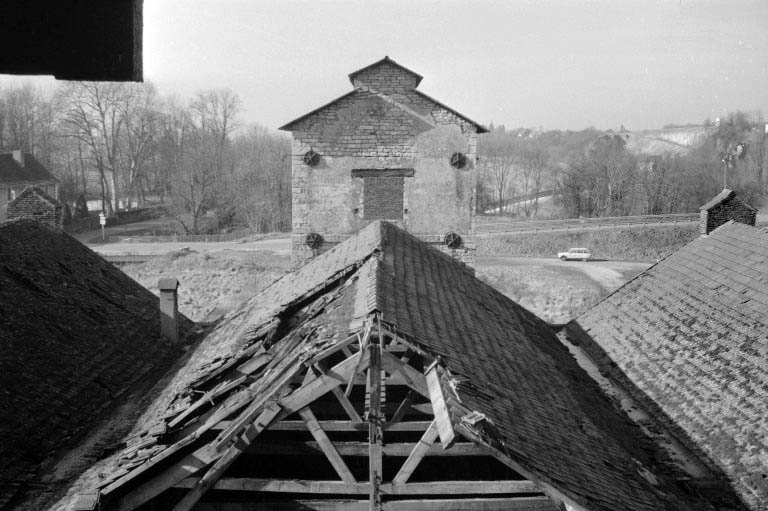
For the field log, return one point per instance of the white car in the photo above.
(575, 253)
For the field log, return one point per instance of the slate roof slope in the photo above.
(32, 172)
(691, 334)
(76, 334)
(546, 413)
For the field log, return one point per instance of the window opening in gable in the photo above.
(383, 198)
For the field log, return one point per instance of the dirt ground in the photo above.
(215, 277)
(554, 290)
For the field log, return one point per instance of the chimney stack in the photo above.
(169, 309)
(18, 155)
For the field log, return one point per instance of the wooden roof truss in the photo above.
(281, 426)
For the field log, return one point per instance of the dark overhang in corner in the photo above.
(83, 40)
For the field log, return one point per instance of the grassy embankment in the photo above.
(212, 281)
(628, 244)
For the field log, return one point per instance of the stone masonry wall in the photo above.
(31, 205)
(732, 208)
(369, 130)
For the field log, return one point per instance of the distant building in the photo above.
(723, 208)
(18, 170)
(34, 204)
(384, 151)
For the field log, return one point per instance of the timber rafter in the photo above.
(347, 383)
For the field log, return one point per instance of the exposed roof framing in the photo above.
(349, 380)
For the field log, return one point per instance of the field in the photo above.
(622, 244)
(212, 283)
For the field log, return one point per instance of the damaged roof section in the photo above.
(689, 339)
(77, 336)
(382, 337)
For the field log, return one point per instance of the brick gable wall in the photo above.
(730, 209)
(32, 206)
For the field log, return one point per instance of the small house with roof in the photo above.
(19, 170)
(688, 341)
(33, 203)
(384, 151)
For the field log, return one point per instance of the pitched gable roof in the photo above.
(690, 334)
(77, 334)
(33, 172)
(508, 384)
(721, 197)
(38, 192)
(385, 60)
(399, 101)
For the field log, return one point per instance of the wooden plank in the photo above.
(208, 453)
(411, 376)
(327, 447)
(439, 408)
(405, 405)
(342, 398)
(418, 452)
(553, 493)
(363, 343)
(350, 426)
(375, 429)
(186, 467)
(478, 504)
(400, 449)
(227, 459)
(338, 346)
(363, 488)
(305, 394)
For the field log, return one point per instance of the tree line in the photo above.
(127, 144)
(593, 173)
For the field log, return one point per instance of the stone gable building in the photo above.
(384, 151)
(34, 204)
(18, 170)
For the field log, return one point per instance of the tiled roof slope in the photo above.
(32, 172)
(553, 419)
(76, 334)
(505, 363)
(691, 334)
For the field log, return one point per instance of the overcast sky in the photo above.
(560, 64)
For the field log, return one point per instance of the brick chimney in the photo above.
(169, 309)
(18, 155)
(724, 207)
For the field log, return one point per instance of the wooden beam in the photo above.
(227, 459)
(338, 346)
(375, 429)
(363, 344)
(350, 426)
(341, 397)
(400, 449)
(411, 376)
(553, 493)
(362, 488)
(439, 408)
(306, 394)
(327, 447)
(405, 405)
(418, 452)
(209, 453)
(477, 504)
